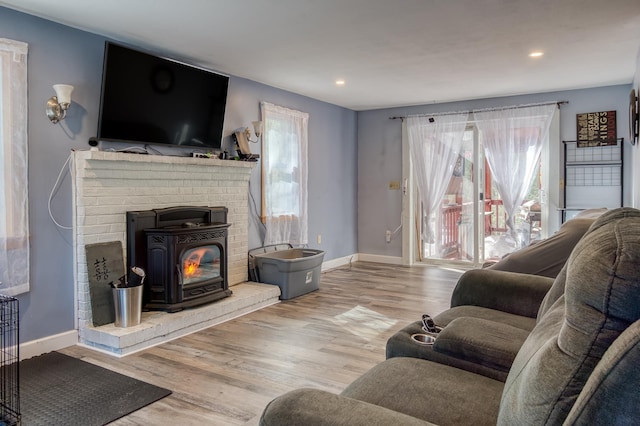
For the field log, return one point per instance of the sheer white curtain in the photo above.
(284, 174)
(512, 140)
(14, 213)
(435, 143)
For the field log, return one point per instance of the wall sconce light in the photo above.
(57, 105)
(257, 129)
(242, 138)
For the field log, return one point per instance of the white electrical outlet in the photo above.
(388, 236)
(319, 239)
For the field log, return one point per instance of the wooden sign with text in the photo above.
(596, 129)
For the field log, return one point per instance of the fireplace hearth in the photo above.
(184, 253)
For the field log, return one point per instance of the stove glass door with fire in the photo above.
(200, 264)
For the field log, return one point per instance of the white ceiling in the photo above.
(389, 52)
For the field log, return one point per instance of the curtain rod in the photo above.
(402, 117)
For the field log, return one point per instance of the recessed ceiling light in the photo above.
(536, 54)
(339, 82)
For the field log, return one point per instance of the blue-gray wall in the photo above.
(380, 153)
(352, 158)
(60, 54)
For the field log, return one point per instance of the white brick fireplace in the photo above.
(108, 184)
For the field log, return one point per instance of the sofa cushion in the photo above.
(310, 407)
(430, 391)
(601, 299)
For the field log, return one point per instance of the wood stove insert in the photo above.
(184, 253)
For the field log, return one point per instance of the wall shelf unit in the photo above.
(592, 177)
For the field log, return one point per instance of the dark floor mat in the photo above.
(56, 389)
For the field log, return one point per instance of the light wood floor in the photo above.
(226, 374)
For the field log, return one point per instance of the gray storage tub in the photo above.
(295, 270)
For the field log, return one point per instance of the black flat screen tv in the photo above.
(152, 100)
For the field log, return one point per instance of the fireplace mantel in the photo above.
(108, 184)
(96, 155)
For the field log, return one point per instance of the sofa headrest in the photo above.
(602, 286)
(591, 219)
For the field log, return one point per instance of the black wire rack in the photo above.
(9, 362)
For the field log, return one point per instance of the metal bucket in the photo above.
(128, 305)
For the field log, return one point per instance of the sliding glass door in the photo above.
(470, 223)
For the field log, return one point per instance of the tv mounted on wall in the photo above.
(152, 100)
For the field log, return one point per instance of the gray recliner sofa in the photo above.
(493, 310)
(577, 366)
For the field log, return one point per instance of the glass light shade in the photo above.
(257, 127)
(63, 93)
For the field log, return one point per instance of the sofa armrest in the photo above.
(512, 292)
(488, 343)
(311, 407)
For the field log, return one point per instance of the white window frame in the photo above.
(14, 212)
(288, 221)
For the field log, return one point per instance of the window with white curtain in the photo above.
(14, 214)
(284, 175)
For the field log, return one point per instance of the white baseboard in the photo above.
(341, 261)
(392, 260)
(48, 344)
(346, 260)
